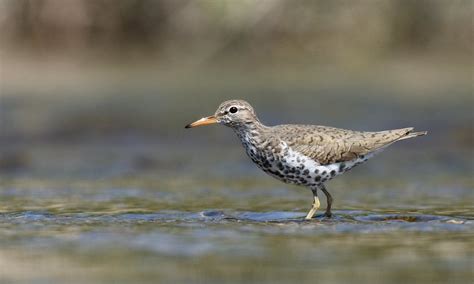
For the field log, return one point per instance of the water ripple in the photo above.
(355, 220)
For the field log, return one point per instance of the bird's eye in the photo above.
(233, 110)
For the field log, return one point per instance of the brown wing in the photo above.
(328, 145)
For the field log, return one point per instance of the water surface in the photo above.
(159, 212)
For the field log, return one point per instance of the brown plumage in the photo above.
(328, 145)
(307, 155)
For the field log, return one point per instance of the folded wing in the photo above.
(328, 145)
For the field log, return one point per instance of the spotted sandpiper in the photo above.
(307, 155)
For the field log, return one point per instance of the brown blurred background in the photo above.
(75, 70)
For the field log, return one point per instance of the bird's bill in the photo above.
(203, 121)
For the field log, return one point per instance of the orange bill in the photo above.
(203, 121)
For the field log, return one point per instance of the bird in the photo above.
(306, 155)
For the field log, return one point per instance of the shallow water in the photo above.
(85, 213)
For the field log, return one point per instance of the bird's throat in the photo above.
(251, 134)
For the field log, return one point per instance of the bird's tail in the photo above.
(411, 134)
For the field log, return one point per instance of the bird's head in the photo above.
(233, 113)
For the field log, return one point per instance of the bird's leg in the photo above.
(328, 199)
(315, 205)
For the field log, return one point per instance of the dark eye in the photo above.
(233, 110)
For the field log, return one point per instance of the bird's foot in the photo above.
(310, 214)
(314, 208)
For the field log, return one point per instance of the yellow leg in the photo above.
(314, 208)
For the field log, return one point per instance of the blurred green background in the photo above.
(100, 182)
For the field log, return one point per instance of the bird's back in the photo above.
(328, 145)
